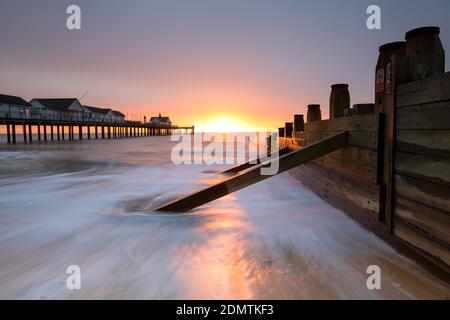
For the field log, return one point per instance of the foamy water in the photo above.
(90, 204)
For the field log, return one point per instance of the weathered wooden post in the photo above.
(391, 70)
(8, 133)
(39, 132)
(58, 133)
(299, 123)
(339, 100)
(281, 132)
(89, 132)
(80, 132)
(426, 56)
(314, 113)
(109, 132)
(30, 133)
(383, 71)
(288, 128)
(45, 133)
(14, 134)
(24, 131)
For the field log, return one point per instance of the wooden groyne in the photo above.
(394, 175)
(60, 130)
(253, 175)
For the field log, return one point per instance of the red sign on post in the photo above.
(388, 78)
(380, 81)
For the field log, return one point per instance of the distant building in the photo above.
(58, 109)
(99, 114)
(160, 121)
(13, 107)
(118, 116)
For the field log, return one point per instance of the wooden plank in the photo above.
(342, 200)
(255, 174)
(358, 155)
(365, 196)
(424, 91)
(362, 139)
(368, 189)
(433, 116)
(425, 192)
(428, 219)
(431, 142)
(254, 162)
(367, 219)
(367, 122)
(354, 169)
(434, 169)
(421, 241)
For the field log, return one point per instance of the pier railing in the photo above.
(60, 130)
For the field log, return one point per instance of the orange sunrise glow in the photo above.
(225, 124)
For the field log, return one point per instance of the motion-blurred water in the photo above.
(90, 204)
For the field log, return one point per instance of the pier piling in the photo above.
(30, 133)
(8, 133)
(108, 130)
(14, 134)
(24, 133)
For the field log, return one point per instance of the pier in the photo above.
(44, 130)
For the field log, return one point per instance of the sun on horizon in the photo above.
(224, 124)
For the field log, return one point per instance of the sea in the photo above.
(91, 204)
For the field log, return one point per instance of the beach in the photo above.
(90, 203)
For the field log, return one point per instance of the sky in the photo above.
(251, 63)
